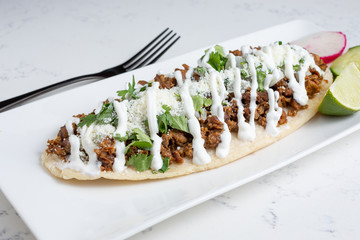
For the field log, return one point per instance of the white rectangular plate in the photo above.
(104, 209)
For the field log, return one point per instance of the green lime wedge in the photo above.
(352, 55)
(343, 96)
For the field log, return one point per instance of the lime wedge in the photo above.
(352, 55)
(343, 97)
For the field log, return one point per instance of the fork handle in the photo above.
(12, 102)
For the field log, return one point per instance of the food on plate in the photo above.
(327, 45)
(342, 98)
(195, 118)
(352, 55)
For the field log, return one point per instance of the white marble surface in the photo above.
(317, 197)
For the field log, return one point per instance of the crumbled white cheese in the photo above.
(137, 113)
(99, 132)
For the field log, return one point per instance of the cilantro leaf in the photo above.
(244, 74)
(261, 75)
(219, 49)
(217, 58)
(199, 102)
(140, 140)
(122, 94)
(162, 122)
(165, 166)
(88, 120)
(217, 61)
(163, 119)
(107, 115)
(141, 136)
(166, 108)
(130, 92)
(180, 123)
(200, 70)
(178, 96)
(296, 67)
(176, 122)
(141, 162)
(120, 138)
(207, 102)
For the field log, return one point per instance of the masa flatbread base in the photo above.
(238, 149)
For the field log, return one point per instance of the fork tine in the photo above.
(131, 65)
(144, 62)
(143, 49)
(164, 51)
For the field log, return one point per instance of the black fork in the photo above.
(148, 55)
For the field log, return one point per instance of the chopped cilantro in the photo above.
(141, 162)
(88, 120)
(296, 67)
(163, 119)
(165, 166)
(145, 87)
(176, 122)
(120, 138)
(302, 60)
(244, 74)
(140, 140)
(166, 108)
(217, 58)
(217, 61)
(280, 42)
(199, 102)
(200, 70)
(261, 75)
(107, 115)
(179, 123)
(178, 96)
(130, 92)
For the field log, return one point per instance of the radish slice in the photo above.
(328, 45)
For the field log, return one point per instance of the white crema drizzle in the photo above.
(200, 155)
(92, 167)
(244, 129)
(300, 94)
(121, 111)
(222, 149)
(156, 162)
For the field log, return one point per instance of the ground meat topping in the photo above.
(262, 106)
(165, 82)
(106, 153)
(60, 145)
(183, 71)
(211, 130)
(230, 116)
(319, 62)
(236, 52)
(80, 116)
(176, 145)
(313, 82)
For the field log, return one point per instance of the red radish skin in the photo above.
(328, 45)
